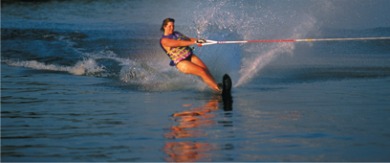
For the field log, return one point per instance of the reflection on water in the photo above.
(188, 151)
(189, 125)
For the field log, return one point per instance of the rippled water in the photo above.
(43, 119)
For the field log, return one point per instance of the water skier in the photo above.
(176, 45)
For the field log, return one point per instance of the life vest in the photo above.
(177, 54)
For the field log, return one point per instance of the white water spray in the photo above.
(85, 67)
(253, 21)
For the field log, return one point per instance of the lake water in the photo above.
(87, 81)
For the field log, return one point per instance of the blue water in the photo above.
(87, 81)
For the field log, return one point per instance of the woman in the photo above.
(176, 45)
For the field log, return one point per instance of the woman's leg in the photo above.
(188, 67)
(195, 59)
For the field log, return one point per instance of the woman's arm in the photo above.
(176, 43)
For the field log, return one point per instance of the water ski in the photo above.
(226, 92)
(226, 84)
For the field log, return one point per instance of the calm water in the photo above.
(87, 81)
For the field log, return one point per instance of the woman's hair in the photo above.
(165, 22)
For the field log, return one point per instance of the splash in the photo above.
(249, 21)
(147, 75)
(254, 66)
(257, 63)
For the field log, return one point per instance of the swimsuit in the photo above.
(177, 54)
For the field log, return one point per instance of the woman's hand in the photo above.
(201, 41)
